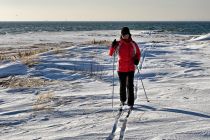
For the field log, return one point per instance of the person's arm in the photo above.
(138, 52)
(113, 47)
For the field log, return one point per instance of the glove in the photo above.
(114, 43)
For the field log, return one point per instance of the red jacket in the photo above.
(127, 50)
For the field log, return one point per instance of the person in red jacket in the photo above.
(128, 56)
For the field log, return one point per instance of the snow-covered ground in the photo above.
(77, 101)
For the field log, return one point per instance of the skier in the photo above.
(128, 56)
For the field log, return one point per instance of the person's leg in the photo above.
(122, 78)
(130, 88)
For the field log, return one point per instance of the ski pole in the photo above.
(144, 91)
(143, 84)
(144, 55)
(142, 80)
(113, 81)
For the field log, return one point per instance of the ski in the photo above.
(117, 117)
(121, 111)
(129, 112)
(124, 123)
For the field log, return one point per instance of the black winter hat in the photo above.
(125, 30)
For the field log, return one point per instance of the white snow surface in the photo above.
(202, 38)
(175, 73)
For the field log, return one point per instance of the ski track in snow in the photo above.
(78, 103)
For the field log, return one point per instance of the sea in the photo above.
(192, 28)
(23, 34)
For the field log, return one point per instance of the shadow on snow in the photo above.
(180, 111)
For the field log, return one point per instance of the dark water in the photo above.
(172, 27)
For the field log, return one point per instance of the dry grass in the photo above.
(99, 42)
(7, 57)
(58, 51)
(13, 54)
(43, 101)
(20, 54)
(28, 53)
(16, 82)
(30, 61)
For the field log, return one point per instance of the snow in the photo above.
(78, 102)
(202, 38)
(29, 39)
(12, 69)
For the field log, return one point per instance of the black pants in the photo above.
(126, 82)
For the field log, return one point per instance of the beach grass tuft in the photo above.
(18, 82)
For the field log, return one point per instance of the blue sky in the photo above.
(104, 10)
